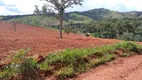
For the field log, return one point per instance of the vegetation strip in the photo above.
(65, 64)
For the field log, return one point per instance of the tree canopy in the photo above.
(58, 8)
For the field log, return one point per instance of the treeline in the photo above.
(125, 29)
(5, 18)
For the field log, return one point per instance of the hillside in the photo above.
(76, 17)
(99, 14)
(46, 20)
(38, 53)
(71, 56)
(98, 44)
(32, 20)
(101, 23)
(42, 40)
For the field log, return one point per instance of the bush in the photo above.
(127, 36)
(20, 66)
(138, 38)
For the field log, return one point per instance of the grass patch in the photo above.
(71, 62)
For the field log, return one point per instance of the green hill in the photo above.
(32, 20)
(46, 21)
(76, 17)
(99, 14)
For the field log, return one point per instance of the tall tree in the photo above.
(58, 7)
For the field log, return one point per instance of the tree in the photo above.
(58, 6)
(14, 24)
(70, 28)
(36, 11)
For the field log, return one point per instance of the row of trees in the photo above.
(126, 29)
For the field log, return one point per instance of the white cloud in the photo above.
(118, 5)
(27, 6)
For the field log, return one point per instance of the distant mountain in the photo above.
(76, 17)
(101, 13)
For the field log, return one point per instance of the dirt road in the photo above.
(120, 69)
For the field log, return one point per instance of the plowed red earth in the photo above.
(41, 40)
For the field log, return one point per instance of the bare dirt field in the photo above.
(41, 40)
(120, 69)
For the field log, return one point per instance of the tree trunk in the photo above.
(61, 27)
(14, 26)
(61, 22)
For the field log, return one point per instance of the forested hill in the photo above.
(94, 14)
(101, 13)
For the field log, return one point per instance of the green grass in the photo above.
(71, 62)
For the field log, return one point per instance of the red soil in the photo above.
(41, 40)
(120, 69)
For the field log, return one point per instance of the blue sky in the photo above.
(19, 7)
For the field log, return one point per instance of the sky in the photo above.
(20, 7)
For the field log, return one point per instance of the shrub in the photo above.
(20, 66)
(127, 36)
